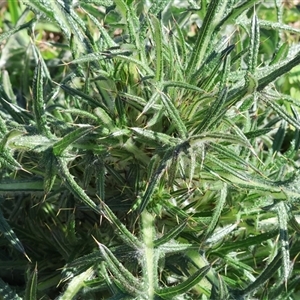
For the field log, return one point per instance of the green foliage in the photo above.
(149, 150)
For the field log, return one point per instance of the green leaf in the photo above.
(278, 70)
(279, 137)
(257, 133)
(278, 26)
(105, 3)
(225, 152)
(108, 40)
(181, 288)
(72, 185)
(14, 9)
(10, 235)
(280, 54)
(141, 205)
(254, 44)
(82, 95)
(76, 284)
(195, 140)
(5, 35)
(282, 113)
(104, 118)
(217, 211)
(8, 87)
(155, 138)
(126, 280)
(79, 112)
(6, 158)
(211, 67)
(183, 85)
(212, 113)
(80, 264)
(174, 115)
(125, 234)
(268, 272)
(247, 242)
(214, 12)
(38, 103)
(21, 185)
(7, 293)
(236, 11)
(150, 261)
(18, 114)
(100, 181)
(171, 234)
(34, 143)
(51, 171)
(157, 34)
(60, 146)
(282, 214)
(220, 233)
(31, 286)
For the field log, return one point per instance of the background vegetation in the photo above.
(149, 149)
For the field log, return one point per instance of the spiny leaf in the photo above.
(213, 15)
(20, 115)
(212, 113)
(72, 185)
(128, 282)
(157, 175)
(270, 269)
(6, 158)
(76, 284)
(278, 70)
(31, 286)
(104, 118)
(7, 86)
(60, 146)
(34, 143)
(5, 35)
(282, 113)
(217, 211)
(228, 246)
(254, 44)
(181, 288)
(10, 235)
(174, 115)
(158, 48)
(39, 104)
(21, 185)
(82, 263)
(236, 11)
(7, 293)
(284, 239)
(279, 137)
(108, 40)
(126, 235)
(183, 85)
(217, 138)
(49, 161)
(105, 3)
(80, 94)
(220, 233)
(173, 233)
(280, 54)
(157, 138)
(150, 261)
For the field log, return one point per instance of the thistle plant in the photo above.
(148, 150)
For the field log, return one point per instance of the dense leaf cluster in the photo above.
(147, 151)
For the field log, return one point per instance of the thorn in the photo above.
(27, 257)
(28, 172)
(98, 243)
